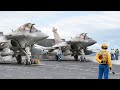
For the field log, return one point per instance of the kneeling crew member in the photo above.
(104, 59)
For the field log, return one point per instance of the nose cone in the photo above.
(39, 36)
(92, 42)
(44, 36)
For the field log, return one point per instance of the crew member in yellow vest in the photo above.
(104, 59)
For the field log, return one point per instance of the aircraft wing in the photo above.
(15, 36)
(49, 48)
(61, 44)
(3, 39)
(44, 48)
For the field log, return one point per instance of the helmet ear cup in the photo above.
(104, 47)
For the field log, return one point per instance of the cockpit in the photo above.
(84, 36)
(28, 27)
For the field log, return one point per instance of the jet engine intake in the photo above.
(15, 43)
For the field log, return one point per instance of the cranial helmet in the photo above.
(104, 46)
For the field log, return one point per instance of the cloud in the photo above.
(14, 19)
(100, 25)
(99, 22)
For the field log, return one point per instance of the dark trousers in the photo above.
(116, 56)
(112, 57)
(103, 69)
(59, 57)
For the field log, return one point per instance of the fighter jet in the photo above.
(73, 46)
(20, 42)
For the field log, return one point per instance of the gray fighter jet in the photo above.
(20, 42)
(73, 46)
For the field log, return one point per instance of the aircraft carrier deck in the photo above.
(51, 69)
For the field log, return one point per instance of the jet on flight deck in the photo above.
(20, 42)
(71, 47)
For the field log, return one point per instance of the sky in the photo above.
(102, 26)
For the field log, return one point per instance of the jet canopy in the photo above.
(84, 36)
(28, 27)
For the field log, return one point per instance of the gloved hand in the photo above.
(110, 68)
(101, 61)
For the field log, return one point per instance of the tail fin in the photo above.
(56, 36)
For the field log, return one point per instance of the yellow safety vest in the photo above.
(104, 56)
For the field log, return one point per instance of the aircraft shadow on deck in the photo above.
(66, 60)
(2, 63)
(63, 60)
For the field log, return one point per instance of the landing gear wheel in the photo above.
(56, 57)
(82, 59)
(76, 57)
(27, 62)
(19, 59)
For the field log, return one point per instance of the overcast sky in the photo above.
(103, 26)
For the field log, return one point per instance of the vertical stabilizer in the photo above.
(56, 36)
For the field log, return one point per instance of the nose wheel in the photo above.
(82, 59)
(76, 57)
(19, 59)
(26, 62)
